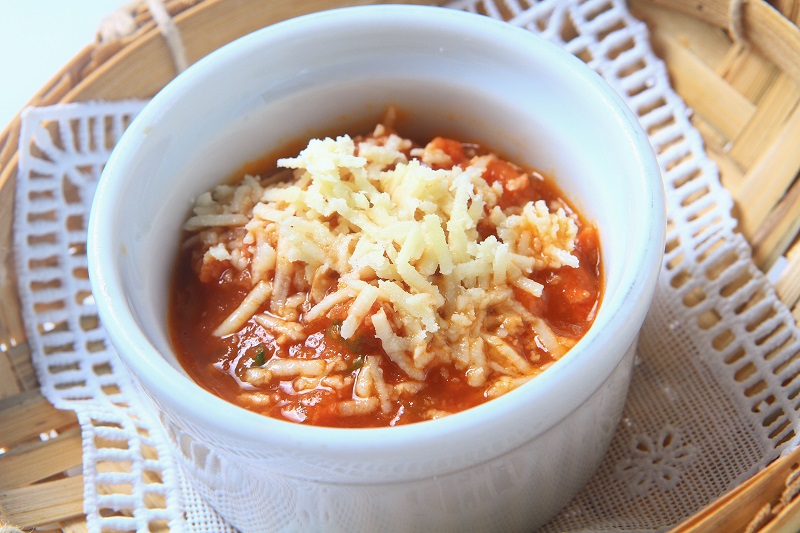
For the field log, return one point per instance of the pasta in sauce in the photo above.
(333, 294)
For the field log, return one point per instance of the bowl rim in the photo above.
(171, 387)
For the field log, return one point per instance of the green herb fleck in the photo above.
(261, 353)
(356, 344)
(357, 363)
(334, 331)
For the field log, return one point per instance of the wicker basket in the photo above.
(737, 64)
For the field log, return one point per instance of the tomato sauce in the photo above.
(198, 304)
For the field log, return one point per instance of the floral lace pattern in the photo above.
(656, 462)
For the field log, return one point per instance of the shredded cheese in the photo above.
(363, 225)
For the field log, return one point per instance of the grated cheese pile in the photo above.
(395, 234)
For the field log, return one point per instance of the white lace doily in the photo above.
(709, 403)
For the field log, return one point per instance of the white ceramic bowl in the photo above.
(509, 464)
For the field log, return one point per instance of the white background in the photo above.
(37, 38)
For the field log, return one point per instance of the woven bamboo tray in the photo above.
(736, 64)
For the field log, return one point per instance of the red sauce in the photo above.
(197, 306)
